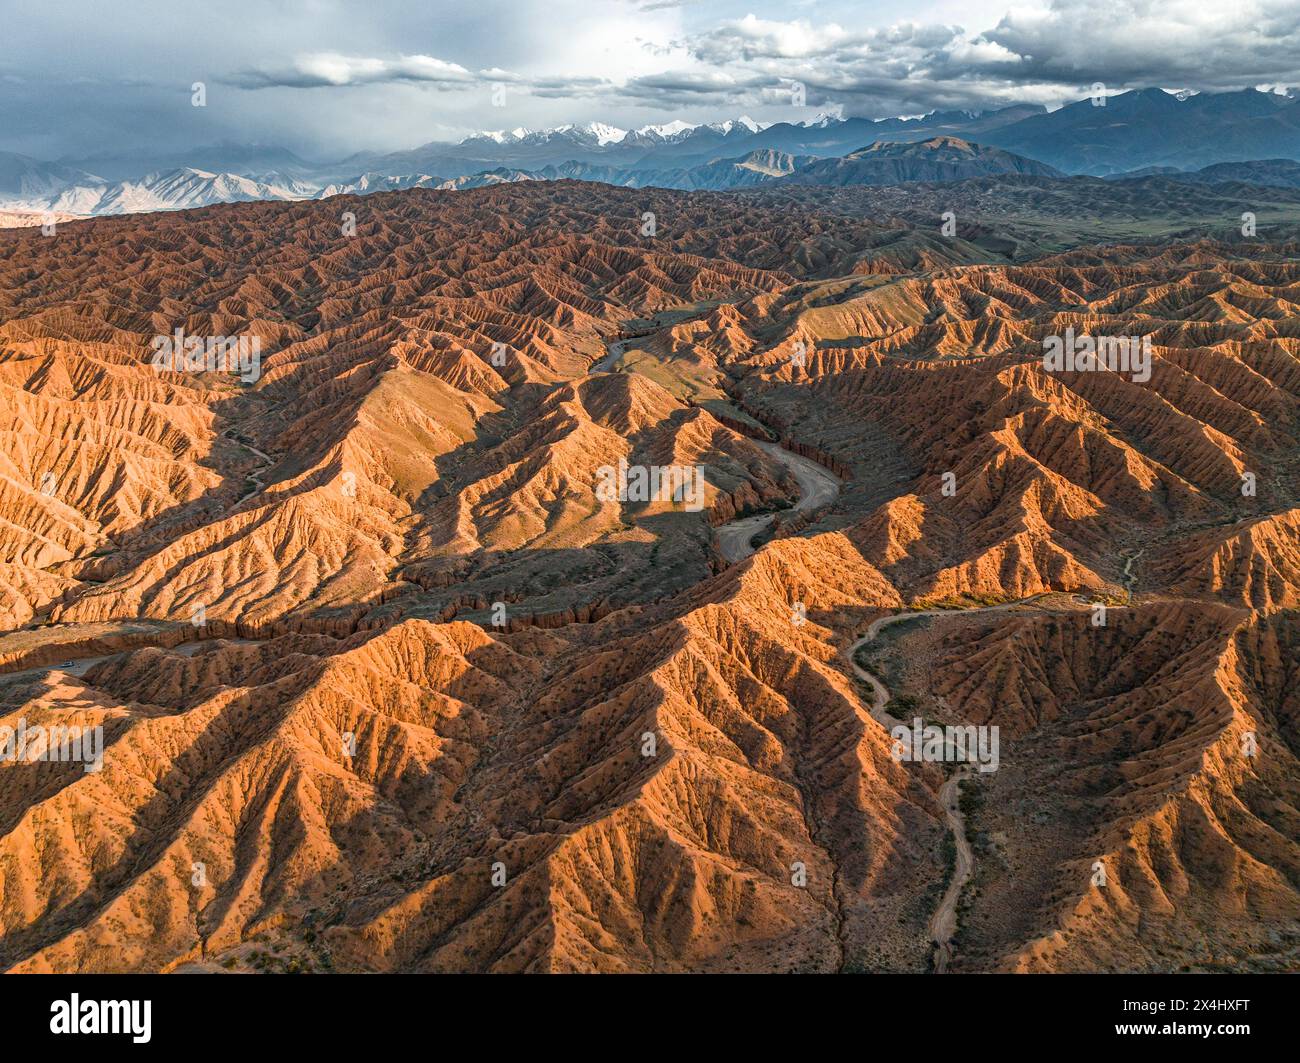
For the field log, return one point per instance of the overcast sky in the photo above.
(326, 78)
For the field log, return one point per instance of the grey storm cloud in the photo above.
(1210, 45)
(715, 85)
(332, 77)
(332, 70)
(1044, 53)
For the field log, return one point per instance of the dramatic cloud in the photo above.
(1172, 41)
(329, 77)
(1045, 53)
(331, 69)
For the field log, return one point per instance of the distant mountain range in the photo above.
(939, 159)
(1276, 173)
(1245, 136)
(1149, 127)
(676, 146)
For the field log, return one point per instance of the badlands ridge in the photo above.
(386, 686)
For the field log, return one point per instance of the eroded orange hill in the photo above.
(370, 650)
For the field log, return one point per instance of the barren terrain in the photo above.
(387, 685)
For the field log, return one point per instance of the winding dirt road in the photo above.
(616, 350)
(76, 666)
(817, 487)
(256, 477)
(1129, 578)
(79, 666)
(943, 924)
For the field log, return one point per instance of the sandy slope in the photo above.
(349, 743)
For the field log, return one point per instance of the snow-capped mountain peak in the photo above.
(744, 123)
(823, 120)
(500, 136)
(666, 131)
(604, 134)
